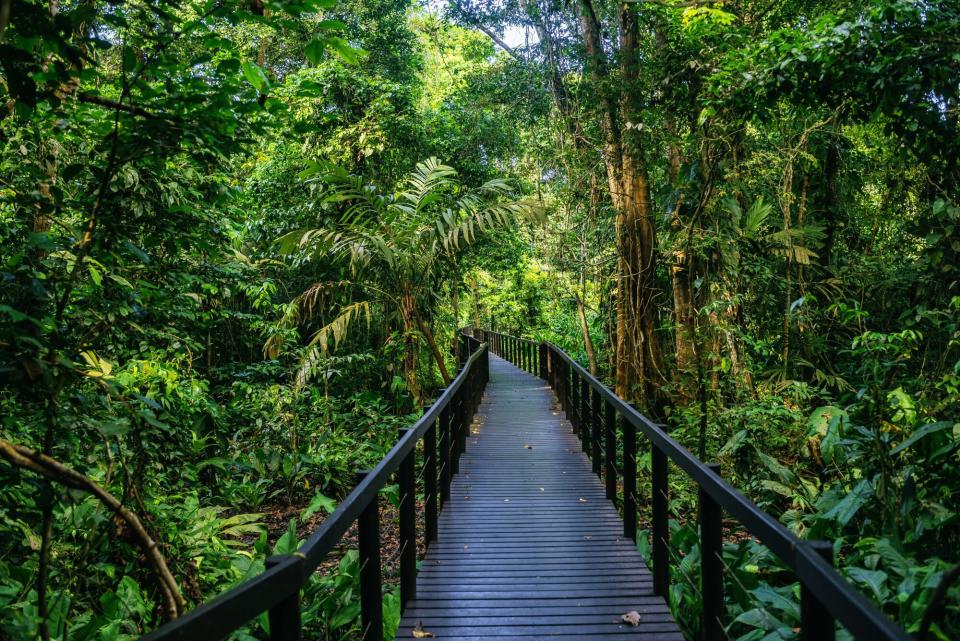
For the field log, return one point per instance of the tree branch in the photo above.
(92, 99)
(48, 467)
(472, 19)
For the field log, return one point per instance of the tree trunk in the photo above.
(437, 356)
(830, 207)
(638, 348)
(587, 341)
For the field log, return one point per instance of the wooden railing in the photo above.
(443, 430)
(599, 417)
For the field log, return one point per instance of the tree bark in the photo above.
(437, 356)
(587, 341)
(638, 347)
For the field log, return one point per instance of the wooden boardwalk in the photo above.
(529, 548)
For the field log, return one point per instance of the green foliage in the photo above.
(801, 162)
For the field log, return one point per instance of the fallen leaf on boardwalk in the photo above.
(542, 490)
(632, 618)
(506, 500)
(528, 446)
(583, 500)
(420, 633)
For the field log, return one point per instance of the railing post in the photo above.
(596, 425)
(610, 453)
(584, 413)
(456, 432)
(661, 523)
(575, 400)
(430, 483)
(551, 368)
(816, 622)
(407, 481)
(456, 423)
(285, 616)
(558, 381)
(629, 479)
(544, 372)
(465, 408)
(711, 565)
(445, 464)
(371, 591)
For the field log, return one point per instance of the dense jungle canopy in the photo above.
(237, 240)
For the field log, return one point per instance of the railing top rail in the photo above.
(516, 338)
(236, 607)
(857, 613)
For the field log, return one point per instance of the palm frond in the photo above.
(335, 330)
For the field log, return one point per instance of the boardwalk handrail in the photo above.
(592, 407)
(277, 589)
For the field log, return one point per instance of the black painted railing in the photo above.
(599, 417)
(277, 590)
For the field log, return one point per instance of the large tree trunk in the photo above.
(638, 348)
(638, 360)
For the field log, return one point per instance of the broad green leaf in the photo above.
(319, 502)
(255, 75)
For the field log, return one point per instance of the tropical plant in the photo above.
(396, 246)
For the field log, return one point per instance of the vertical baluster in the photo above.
(816, 622)
(596, 425)
(629, 479)
(551, 368)
(407, 481)
(456, 423)
(584, 413)
(711, 565)
(430, 483)
(661, 523)
(445, 464)
(285, 616)
(610, 453)
(371, 591)
(558, 364)
(574, 413)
